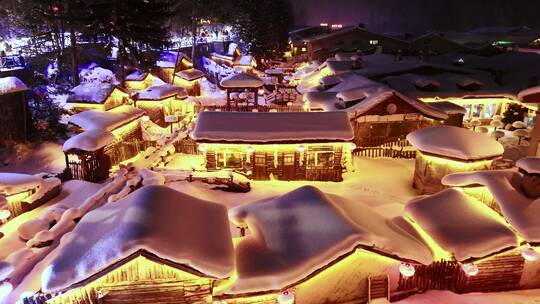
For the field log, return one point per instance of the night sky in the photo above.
(418, 15)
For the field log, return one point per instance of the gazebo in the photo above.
(443, 150)
(242, 83)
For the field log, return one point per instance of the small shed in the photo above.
(15, 117)
(161, 100)
(97, 96)
(242, 83)
(138, 81)
(283, 145)
(190, 80)
(454, 111)
(156, 245)
(444, 150)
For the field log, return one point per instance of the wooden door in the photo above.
(289, 171)
(259, 167)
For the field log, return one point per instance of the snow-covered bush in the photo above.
(30, 228)
(498, 134)
(97, 75)
(497, 124)
(475, 122)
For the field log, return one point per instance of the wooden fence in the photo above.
(187, 146)
(384, 147)
(249, 108)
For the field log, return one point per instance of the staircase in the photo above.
(378, 288)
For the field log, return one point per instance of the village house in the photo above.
(142, 256)
(190, 80)
(160, 101)
(443, 150)
(15, 116)
(169, 63)
(97, 96)
(284, 145)
(138, 81)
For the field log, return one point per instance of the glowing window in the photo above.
(229, 160)
(374, 42)
(321, 159)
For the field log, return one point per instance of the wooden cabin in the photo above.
(284, 145)
(443, 150)
(97, 96)
(245, 86)
(21, 193)
(435, 44)
(190, 80)
(15, 116)
(160, 101)
(531, 96)
(174, 251)
(138, 81)
(108, 138)
(455, 112)
(169, 63)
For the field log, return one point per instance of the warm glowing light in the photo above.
(286, 297)
(4, 214)
(250, 149)
(530, 254)
(301, 148)
(470, 269)
(202, 147)
(352, 146)
(439, 254)
(324, 24)
(406, 269)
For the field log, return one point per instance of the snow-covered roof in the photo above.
(169, 224)
(105, 120)
(305, 69)
(522, 212)
(352, 94)
(276, 71)
(137, 76)
(241, 80)
(190, 74)
(244, 60)
(530, 164)
(528, 94)
(90, 140)
(273, 127)
(461, 224)
(455, 143)
(336, 66)
(169, 59)
(13, 183)
(91, 92)
(295, 234)
(448, 107)
(11, 84)
(160, 92)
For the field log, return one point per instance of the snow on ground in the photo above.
(32, 158)
(448, 297)
(384, 184)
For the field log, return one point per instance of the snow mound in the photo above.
(190, 74)
(90, 140)
(106, 120)
(530, 165)
(159, 92)
(297, 233)
(29, 229)
(273, 127)
(92, 92)
(11, 84)
(97, 75)
(352, 95)
(137, 76)
(522, 212)
(241, 80)
(157, 219)
(461, 225)
(5, 270)
(454, 142)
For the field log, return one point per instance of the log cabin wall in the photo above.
(15, 117)
(141, 280)
(281, 161)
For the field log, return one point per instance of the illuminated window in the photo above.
(229, 159)
(374, 42)
(303, 49)
(321, 159)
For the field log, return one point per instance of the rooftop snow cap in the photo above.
(92, 92)
(11, 84)
(530, 165)
(241, 80)
(461, 225)
(158, 220)
(270, 127)
(106, 120)
(190, 74)
(295, 234)
(160, 92)
(91, 140)
(455, 143)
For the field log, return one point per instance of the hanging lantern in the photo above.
(286, 297)
(250, 149)
(202, 148)
(352, 146)
(530, 254)
(145, 118)
(470, 269)
(301, 148)
(5, 289)
(406, 269)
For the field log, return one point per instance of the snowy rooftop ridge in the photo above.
(167, 223)
(91, 92)
(461, 225)
(11, 84)
(530, 165)
(105, 120)
(273, 127)
(528, 94)
(90, 140)
(455, 143)
(160, 92)
(137, 76)
(325, 226)
(13, 183)
(190, 74)
(241, 80)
